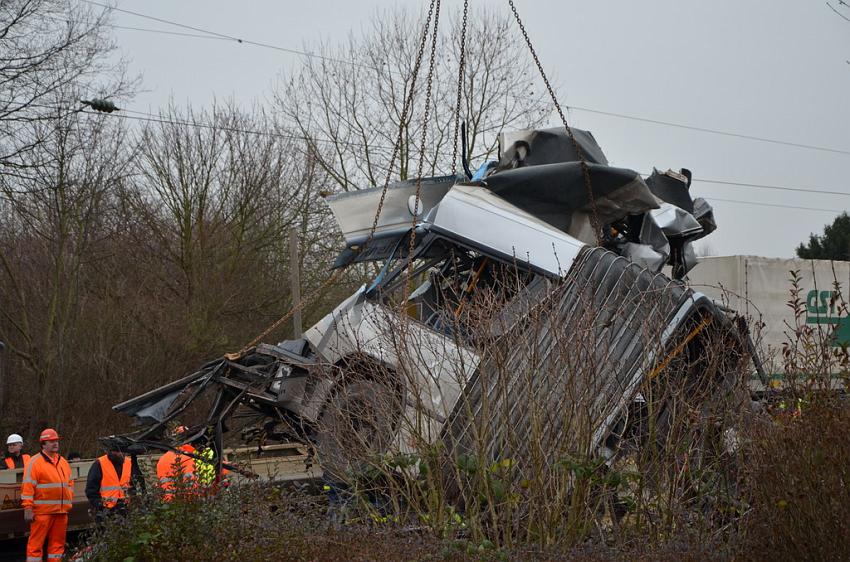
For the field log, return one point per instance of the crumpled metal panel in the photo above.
(472, 214)
(154, 404)
(561, 380)
(534, 147)
(644, 255)
(557, 194)
(355, 210)
(704, 213)
(675, 221)
(671, 187)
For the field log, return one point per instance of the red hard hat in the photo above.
(49, 435)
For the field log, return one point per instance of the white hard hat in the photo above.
(14, 438)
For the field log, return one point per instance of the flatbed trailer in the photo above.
(286, 462)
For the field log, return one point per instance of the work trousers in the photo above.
(49, 527)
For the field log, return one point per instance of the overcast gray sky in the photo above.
(776, 69)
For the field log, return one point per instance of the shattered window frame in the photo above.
(389, 282)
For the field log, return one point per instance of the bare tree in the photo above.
(842, 9)
(349, 101)
(55, 222)
(48, 48)
(124, 261)
(217, 192)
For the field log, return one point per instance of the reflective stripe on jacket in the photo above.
(47, 487)
(113, 488)
(10, 462)
(172, 467)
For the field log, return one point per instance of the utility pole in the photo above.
(295, 281)
(2, 377)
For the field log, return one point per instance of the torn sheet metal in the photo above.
(535, 147)
(153, 406)
(704, 214)
(558, 194)
(675, 222)
(354, 212)
(672, 187)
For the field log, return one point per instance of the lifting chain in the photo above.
(460, 73)
(585, 170)
(422, 144)
(408, 103)
(433, 12)
(286, 317)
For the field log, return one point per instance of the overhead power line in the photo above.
(774, 187)
(224, 35)
(209, 34)
(712, 131)
(165, 32)
(152, 118)
(731, 183)
(760, 204)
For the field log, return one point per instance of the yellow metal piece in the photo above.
(679, 348)
(472, 283)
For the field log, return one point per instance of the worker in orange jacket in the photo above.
(112, 480)
(47, 493)
(176, 470)
(14, 458)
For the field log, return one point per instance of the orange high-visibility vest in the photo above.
(172, 467)
(10, 462)
(113, 488)
(47, 487)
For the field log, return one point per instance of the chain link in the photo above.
(460, 73)
(408, 103)
(286, 317)
(583, 163)
(421, 164)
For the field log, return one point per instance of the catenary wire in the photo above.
(148, 117)
(226, 36)
(214, 34)
(760, 204)
(712, 131)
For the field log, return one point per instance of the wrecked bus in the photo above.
(519, 313)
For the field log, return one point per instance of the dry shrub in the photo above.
(797, 480)
(551, 438)
(796, 470)
(264, 522)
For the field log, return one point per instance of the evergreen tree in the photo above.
(833, 244)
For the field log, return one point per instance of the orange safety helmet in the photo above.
(48, 435)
